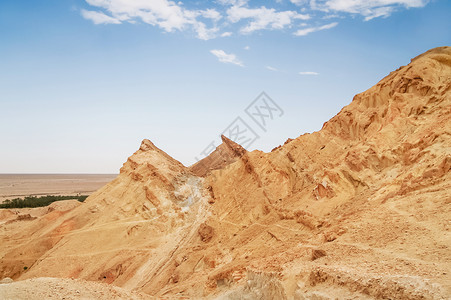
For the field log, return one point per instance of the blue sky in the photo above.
(83, 82)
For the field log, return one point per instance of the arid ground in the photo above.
(21, 185)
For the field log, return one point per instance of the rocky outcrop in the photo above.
(225, 154)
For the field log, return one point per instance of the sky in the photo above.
(82, 83)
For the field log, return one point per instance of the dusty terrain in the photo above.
(57, 288)
(358, 210)
(21, 185)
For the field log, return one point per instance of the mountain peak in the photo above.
(225, 154)
(147, 145)
(419, 88)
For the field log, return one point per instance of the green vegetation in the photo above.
(33, 201)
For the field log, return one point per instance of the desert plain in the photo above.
(22, 185)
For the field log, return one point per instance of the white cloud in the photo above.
(98, 17)
(207, 23)
(299, 2)
(308, 73)
(227, 58)
(272, 68)
(205, 33)
(247, 48)
(263, 18)
(211, 14)
(233, 2)
(306, 31)
(333, 16)
(162, 13)
(368, 8)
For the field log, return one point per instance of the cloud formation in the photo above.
(262, 18)
(98, 17)
(272, 69)
(370, 9)
(239, 16)
(308, 73)
(308, 30)
(227, 58)
(165, 14)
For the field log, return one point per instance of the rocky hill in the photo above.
(358, 210)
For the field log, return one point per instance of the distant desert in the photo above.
(22, 185)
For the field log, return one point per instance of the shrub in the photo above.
(33, 201)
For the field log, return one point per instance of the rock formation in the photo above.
(360, 209)
(225, 154)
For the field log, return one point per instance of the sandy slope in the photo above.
(358, 210)
(58, 288)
